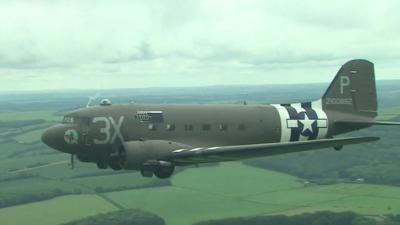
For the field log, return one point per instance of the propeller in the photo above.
(72, 162)
(92, 98)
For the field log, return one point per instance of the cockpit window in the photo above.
(68, 119)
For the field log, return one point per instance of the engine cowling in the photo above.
(134, 155)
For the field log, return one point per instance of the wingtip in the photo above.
(372, 138)
(363, 139)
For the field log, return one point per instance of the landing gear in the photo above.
(115, 165)
(117, 159)
(164, 172)
(146, 173)
(111, 161)
(160, 169)
(338, 148)
(102, 164)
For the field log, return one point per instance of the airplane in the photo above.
(154, 139)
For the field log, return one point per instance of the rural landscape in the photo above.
(358, 185)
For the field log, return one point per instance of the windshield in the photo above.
(68, 119)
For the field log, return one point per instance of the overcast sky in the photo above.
(120, 44)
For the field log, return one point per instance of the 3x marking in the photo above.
(110, 135)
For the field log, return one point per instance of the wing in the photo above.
(367, 123)
(239, 152)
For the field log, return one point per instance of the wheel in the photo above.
(146, 173)
(115, 165)
(102, 164)
(338, 148)
(114, 162)
(164, 172)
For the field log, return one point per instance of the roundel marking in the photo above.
(71, 136)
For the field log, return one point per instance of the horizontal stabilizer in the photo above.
(367, 123)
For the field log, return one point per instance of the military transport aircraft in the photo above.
(155, 138)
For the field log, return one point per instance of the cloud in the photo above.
(144, 52)
(103, 44)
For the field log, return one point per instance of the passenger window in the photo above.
(188, 127)
(206, 127)
(170, 127)
(241, 127)
(152, 126)
(223, 127)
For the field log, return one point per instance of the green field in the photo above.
(24, 162)
(389, 113)
(115, 181)
(29, 115)
(55, 211)
(29, 133)
(230, 190)
(234, 190)
(33, 186)
(10, 148)
(32, 133)
(29, 137)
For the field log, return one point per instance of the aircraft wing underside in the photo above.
(238, 152)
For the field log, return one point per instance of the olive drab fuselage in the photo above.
(101, 128)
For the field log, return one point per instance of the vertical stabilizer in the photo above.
(353, 90)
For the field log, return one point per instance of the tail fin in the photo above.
(353, 90)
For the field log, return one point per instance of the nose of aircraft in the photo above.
(54, 137)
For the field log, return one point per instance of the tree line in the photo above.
(121, 217)
(375, 163)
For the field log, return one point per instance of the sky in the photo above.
(99, 44)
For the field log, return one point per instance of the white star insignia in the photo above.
(307, 124)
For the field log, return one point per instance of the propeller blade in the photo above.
(92, 98)
(72, 162)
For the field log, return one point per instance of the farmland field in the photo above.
(29, 115)
(389, 113)
(116, 181)
(34, 185)
(29, 137)
(55, 211)
(234, 190)
(229, 190)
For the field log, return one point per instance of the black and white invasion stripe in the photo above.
(302, 121)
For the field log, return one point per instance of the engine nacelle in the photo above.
(134, 154)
